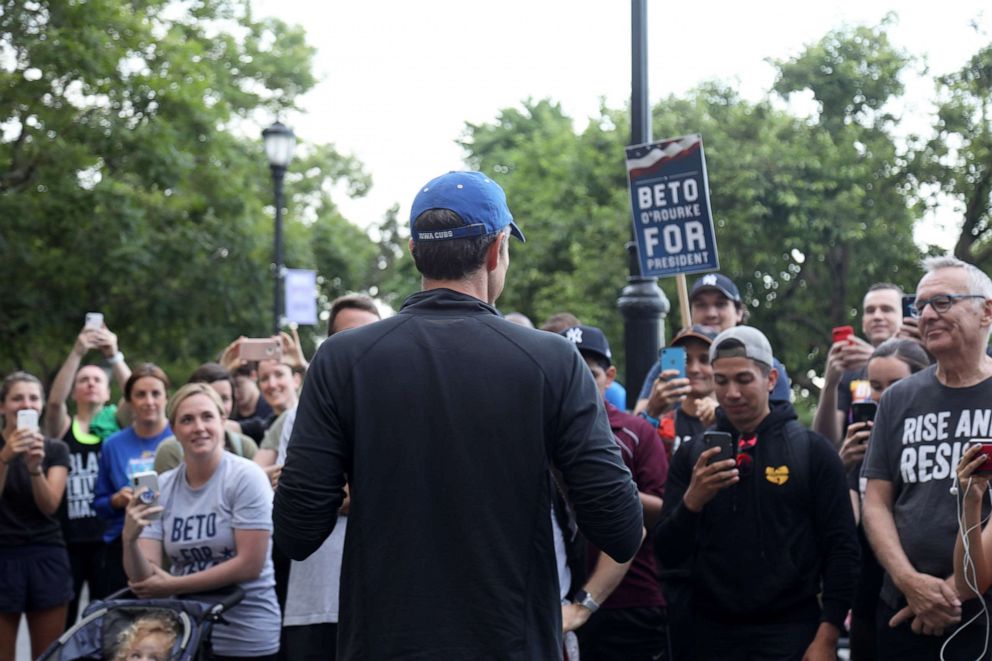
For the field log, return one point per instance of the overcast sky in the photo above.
(399, 79)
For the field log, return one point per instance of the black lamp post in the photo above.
(279, 143)
(642, 303)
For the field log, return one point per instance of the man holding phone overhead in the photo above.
(881, 319)
(766, 531)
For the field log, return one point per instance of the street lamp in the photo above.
(642, 303)
(279, 143)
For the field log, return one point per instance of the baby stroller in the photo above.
(95, 636)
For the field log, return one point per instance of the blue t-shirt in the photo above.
(123, 454)
(781, 393)
(616, 394)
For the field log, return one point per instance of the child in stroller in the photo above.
(111, 628)
(149, 638)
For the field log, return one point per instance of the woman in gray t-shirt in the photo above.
(215, 525)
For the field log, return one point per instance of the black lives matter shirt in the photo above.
(80, 524)
(920, 432)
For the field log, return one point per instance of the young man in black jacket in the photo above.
(446, 419)
(766, 531)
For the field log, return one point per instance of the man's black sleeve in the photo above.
(599, 485)
(675, 534)
(311, 487)
(837, 536)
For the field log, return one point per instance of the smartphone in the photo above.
(722, 440)
(27, 419)
(841, 333)
(147, 479)
(909, 306)
(265, 348)
(863, 411)
(673, 358)
(94, 321)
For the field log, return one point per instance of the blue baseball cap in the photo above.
(477, 199)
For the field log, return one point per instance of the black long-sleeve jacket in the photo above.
(763, 549)
(445, 420)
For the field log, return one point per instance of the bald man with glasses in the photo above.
(923, 425)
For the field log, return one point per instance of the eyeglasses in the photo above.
(745, 462)
(942, 303)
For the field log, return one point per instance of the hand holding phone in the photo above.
(984, 449)
(855, 444)
(714, 471)
(146, 491)
(974, 471)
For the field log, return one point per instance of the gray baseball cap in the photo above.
(742, 342)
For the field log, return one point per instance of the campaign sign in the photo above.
(301, 296)
(670, 198)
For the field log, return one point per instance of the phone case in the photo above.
(725, 442)
(27, 419)
(260, 349)
(673, 358)
(147, 479)
(842, 333)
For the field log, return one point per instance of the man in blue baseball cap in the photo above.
(446, 420)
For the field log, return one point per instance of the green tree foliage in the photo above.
(128, 184)
(567, 193)
(809, 211)
(957, 160)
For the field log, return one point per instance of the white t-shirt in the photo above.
(312, 596)
(197, 531)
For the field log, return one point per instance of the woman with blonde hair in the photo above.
(214, 520)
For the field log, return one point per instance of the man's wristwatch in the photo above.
(118, 357)
(583, 598)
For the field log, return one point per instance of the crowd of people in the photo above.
(452, 483)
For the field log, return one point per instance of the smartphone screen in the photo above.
(720, 439)
(909, 306)
(673, 358)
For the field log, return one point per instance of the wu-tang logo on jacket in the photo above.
(779, 475)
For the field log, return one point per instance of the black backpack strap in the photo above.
(798, 442)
